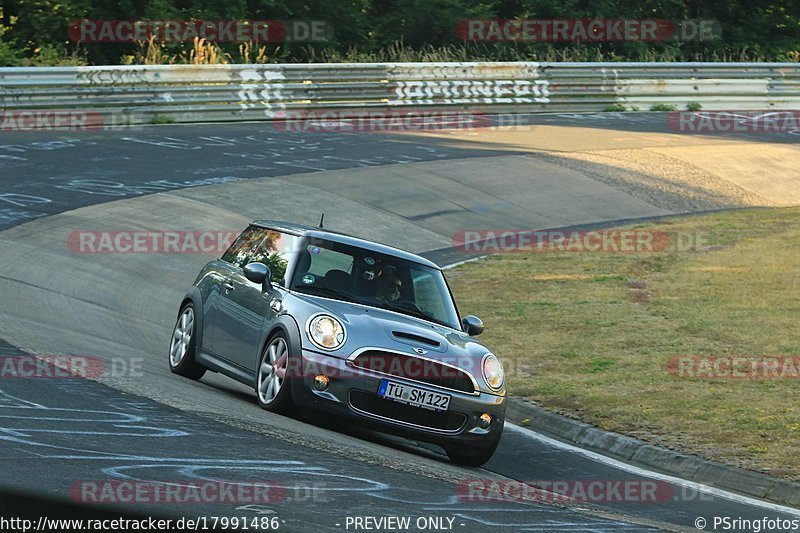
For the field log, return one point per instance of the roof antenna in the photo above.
(322, 218)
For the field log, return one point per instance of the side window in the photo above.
(245, 245)
(270, 247)
(275, 251)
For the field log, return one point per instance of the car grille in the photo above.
(375, 405)
(415, 368)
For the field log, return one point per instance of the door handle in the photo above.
(229, 287)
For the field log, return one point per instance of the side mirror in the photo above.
(259, 274)
(472, 325)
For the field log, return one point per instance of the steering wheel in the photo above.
(408, 304)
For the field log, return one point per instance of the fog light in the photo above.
(485, 420)
(321, 382)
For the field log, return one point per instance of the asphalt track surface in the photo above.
(152, 425)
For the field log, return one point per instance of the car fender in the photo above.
(196, 298)
(286, 324)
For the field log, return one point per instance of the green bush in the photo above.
(161, 119)
(10, 55)
(663, 107)
(54, 56)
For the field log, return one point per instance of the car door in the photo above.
(245, 310)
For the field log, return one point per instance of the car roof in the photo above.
(311, 231)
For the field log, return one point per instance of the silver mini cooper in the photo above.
(330, 323)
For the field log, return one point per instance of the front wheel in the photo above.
(472, 457)
(273, 387)
(182, 346)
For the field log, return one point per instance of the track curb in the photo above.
(527, 414)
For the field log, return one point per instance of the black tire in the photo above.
(275, 361)
(473, 457)
(183, 343)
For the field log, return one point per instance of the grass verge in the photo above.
(592, 334)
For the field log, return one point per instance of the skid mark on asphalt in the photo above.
(62, 435)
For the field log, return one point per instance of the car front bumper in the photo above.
(353, 392)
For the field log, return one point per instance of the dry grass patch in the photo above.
(592, 334)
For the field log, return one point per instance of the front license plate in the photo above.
(417, 397)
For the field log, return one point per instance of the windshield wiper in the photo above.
(413, 312)
(330, 292)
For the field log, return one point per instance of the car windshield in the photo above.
(349, 273)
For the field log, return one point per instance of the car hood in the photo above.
(372, 327)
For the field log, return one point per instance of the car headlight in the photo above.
(493, 372)
(326, 332)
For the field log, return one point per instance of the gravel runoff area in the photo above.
(659, 179)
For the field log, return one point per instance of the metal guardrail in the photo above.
(190, 93)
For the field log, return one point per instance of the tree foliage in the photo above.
(34, 32)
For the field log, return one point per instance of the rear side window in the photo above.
(271, 247)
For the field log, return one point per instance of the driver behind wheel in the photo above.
(389, 289)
